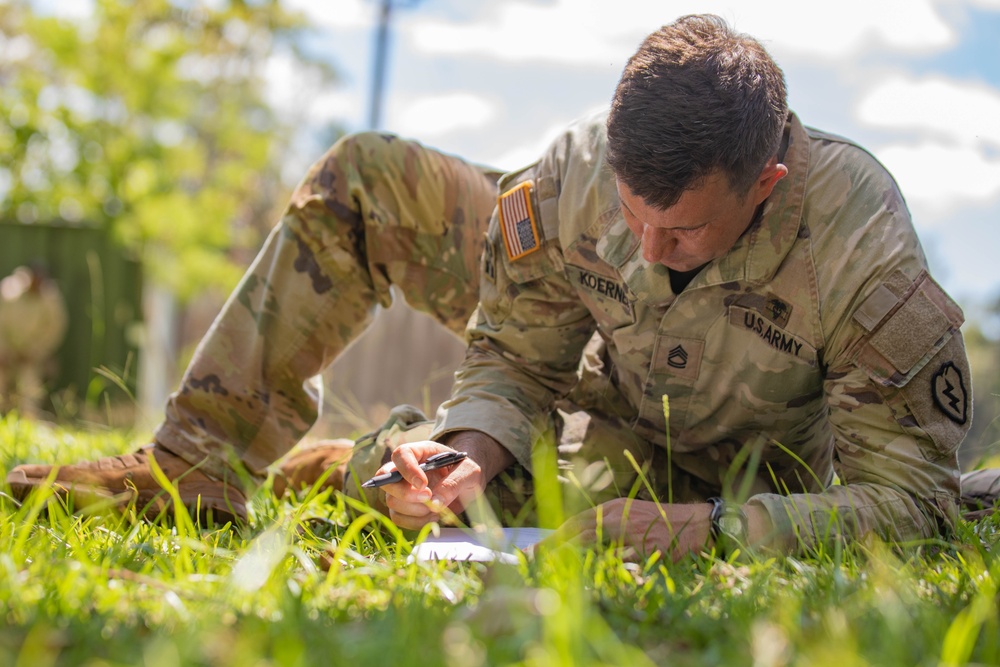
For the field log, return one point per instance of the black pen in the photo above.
(442, 460)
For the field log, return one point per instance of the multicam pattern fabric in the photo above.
(817, 348)
(375, 211)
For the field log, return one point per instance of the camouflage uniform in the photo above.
(817, 347)
(818, 339)
(375, 211)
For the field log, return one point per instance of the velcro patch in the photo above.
(909, 334)
(679, 356)
(876, 307)
(517, 222)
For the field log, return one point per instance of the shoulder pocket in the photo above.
(907, 325)
(519, 231)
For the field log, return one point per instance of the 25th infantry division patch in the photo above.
(517, 221)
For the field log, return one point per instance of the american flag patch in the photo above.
(517, 221)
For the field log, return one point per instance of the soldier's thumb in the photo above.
(453, 494)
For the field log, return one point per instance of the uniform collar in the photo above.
(771, 239)
(757, 254)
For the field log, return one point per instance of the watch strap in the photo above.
(729, 525)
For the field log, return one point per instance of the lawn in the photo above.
(305, 584)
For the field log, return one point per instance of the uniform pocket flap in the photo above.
(908, 334)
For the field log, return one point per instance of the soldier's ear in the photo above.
(773, 172)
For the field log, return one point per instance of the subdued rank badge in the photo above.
(517, 221)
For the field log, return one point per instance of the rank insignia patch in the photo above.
(677, 357)
(517, 222)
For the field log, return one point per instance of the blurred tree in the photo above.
(983, 440)
(149, 119)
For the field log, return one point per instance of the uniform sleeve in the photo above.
(525, 340)
(895, 459)
(897, 383)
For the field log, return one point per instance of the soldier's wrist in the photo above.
(491, 456)
(738, 526)
(759, 526)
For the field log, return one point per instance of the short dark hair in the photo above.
(697, 96)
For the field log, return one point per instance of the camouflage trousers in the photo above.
(373, 212)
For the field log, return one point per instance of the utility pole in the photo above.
(381, 57)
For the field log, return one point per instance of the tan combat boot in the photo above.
(303, 467)
(127, 478)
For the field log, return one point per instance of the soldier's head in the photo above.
(693, 136)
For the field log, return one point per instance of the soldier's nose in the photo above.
(656, 244)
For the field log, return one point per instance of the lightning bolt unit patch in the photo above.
(948, 390)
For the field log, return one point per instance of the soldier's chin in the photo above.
(681, 265)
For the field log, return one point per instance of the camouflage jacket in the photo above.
(816, 367)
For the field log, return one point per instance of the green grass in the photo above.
(306, 585)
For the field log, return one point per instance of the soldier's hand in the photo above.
(642, 525)
(422, 496)
(676, 530)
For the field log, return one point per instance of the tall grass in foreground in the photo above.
(306, 585)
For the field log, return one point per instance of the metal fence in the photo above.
(102, 287)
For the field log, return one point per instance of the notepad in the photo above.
(465, 544)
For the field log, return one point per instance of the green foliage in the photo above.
(983, 441)
(149, 119)
(308, 583)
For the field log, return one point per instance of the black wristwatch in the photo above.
(729, 525)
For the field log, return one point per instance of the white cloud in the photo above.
(282, 80)
(516, 31)
(440, 114)
(586, 32)
(526, 152)
(936, 178)
(528, 149)
(332, 105)
(301, 94)
(965, 113)
(337, 15)
(949, 157)
(848, 27)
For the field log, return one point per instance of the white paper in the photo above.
(498, 544)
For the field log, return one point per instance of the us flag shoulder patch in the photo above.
(517, 221)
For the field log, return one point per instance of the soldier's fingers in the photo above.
(408, 457)
(573, 526)
(458, 487)
(406, 491)
(411, 522)
(574, 535)
(408, 466)
(409, 508)
(584, 538)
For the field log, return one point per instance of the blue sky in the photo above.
(917, 82)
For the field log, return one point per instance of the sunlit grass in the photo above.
(309, 583)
